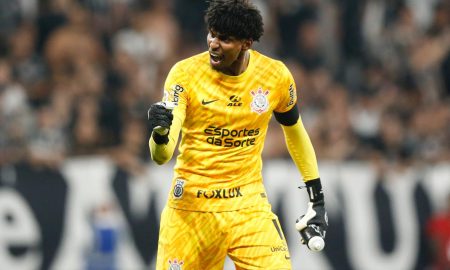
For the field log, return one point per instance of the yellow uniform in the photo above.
(224, 123)
(217, 185)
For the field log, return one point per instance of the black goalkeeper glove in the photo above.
(313, 225)
(160, 119)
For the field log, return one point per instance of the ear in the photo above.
(247, 44)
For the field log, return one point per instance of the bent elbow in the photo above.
(160, 160)
(161, 154)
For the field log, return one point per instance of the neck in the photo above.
(245, 62)
(240, 65)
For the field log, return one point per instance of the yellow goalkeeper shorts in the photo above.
(251, 237)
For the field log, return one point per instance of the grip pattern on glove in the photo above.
(158, 115)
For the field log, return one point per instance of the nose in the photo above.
(214, 43)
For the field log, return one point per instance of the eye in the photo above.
(224, 38)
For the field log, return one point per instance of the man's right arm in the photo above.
(168, 114)
(162, 147)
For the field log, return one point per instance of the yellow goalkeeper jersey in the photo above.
(223, 121)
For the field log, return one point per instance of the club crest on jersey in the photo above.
(175, 264)
(260, 102)
(178, 189)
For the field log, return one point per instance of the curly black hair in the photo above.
(236, 18)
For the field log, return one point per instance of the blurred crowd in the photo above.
(77, 76)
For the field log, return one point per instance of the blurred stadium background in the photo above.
(77, 189)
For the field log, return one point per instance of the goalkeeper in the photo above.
(221, 101)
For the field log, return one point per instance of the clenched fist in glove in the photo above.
(313, 225)
(160, 119)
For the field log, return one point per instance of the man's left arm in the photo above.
(302, 152)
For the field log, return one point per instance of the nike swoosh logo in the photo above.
(287, 257)
(209, 101)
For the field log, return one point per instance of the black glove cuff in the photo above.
(315, 192)
(160, 139)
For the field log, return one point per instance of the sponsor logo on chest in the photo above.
(234, 101)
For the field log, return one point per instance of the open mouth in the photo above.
(215, 58)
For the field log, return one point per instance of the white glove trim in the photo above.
(303, 222)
